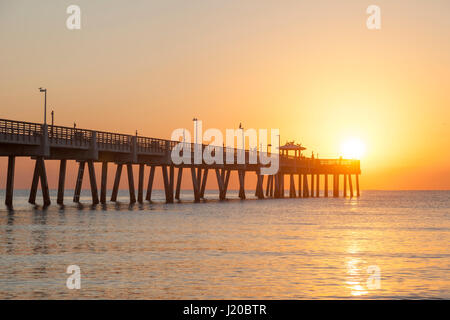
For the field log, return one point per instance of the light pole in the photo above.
(243, 138)
(53, 121)
(195, 130)
(45, 103)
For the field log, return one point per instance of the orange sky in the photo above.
(313, 70)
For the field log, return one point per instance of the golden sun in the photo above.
(353, 148)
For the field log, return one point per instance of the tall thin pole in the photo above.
(195, 130)
(45, 103)
(45, 106)
(243, 139)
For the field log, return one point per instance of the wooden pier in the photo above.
(42, 142)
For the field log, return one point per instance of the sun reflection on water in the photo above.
(355, 278)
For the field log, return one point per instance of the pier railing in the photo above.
(12, 131)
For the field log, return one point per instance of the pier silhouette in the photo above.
(43, 142)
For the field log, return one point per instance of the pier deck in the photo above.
(49, 142)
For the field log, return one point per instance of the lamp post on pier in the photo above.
(243, 137)
(195, 130)
(45, 103)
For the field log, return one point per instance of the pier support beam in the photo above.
(79, 183)
(115, 189)
(93, 182)
(269, 178)
(131, 183)
(141, 183)
(326, 187)
(345, 185)
(259, 185)
(103, 182)
(44, 181)
(300, 185)
(148, 195)
(203, 187)
(271, 191)
(179, 177)
(336, 185)
(196, 177)
(317, 185)
(350, 184)
(220, 183)
(34, 184)
(61, 181)
(10, 181)
(277, 186)
(168, 178)
(241, 174)
(226, 174)
(312, 185)
(292, 192)
(357, 185)
(305, 186)
(171, 182)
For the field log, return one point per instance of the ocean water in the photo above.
(385, 244)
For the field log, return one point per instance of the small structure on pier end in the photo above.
(292, 146)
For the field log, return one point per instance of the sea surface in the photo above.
(385, 244)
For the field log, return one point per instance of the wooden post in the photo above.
(220, 183)
(312, 185)
(103, 184)
(61, 181)
(271, 186)
(292, 192)
(268, 186)
(282, 185)
(326, 186)
(131, 183)
(299, 185)
(115, 190)
(357, 185)
(259, 185)
(165, 181)
(241, 174)
(79, 183)
(44, 182)
(345, 185)
(317, 185)
(34, 184)
(93, 181)
(336, 185)
(305, 186)
(141, 183)
(277, 186)
(148, 195)
(195, 185)
(10, 181)
(225, 183)
(171, 182)
(178, 189)
(350, 184)
(202, 190)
